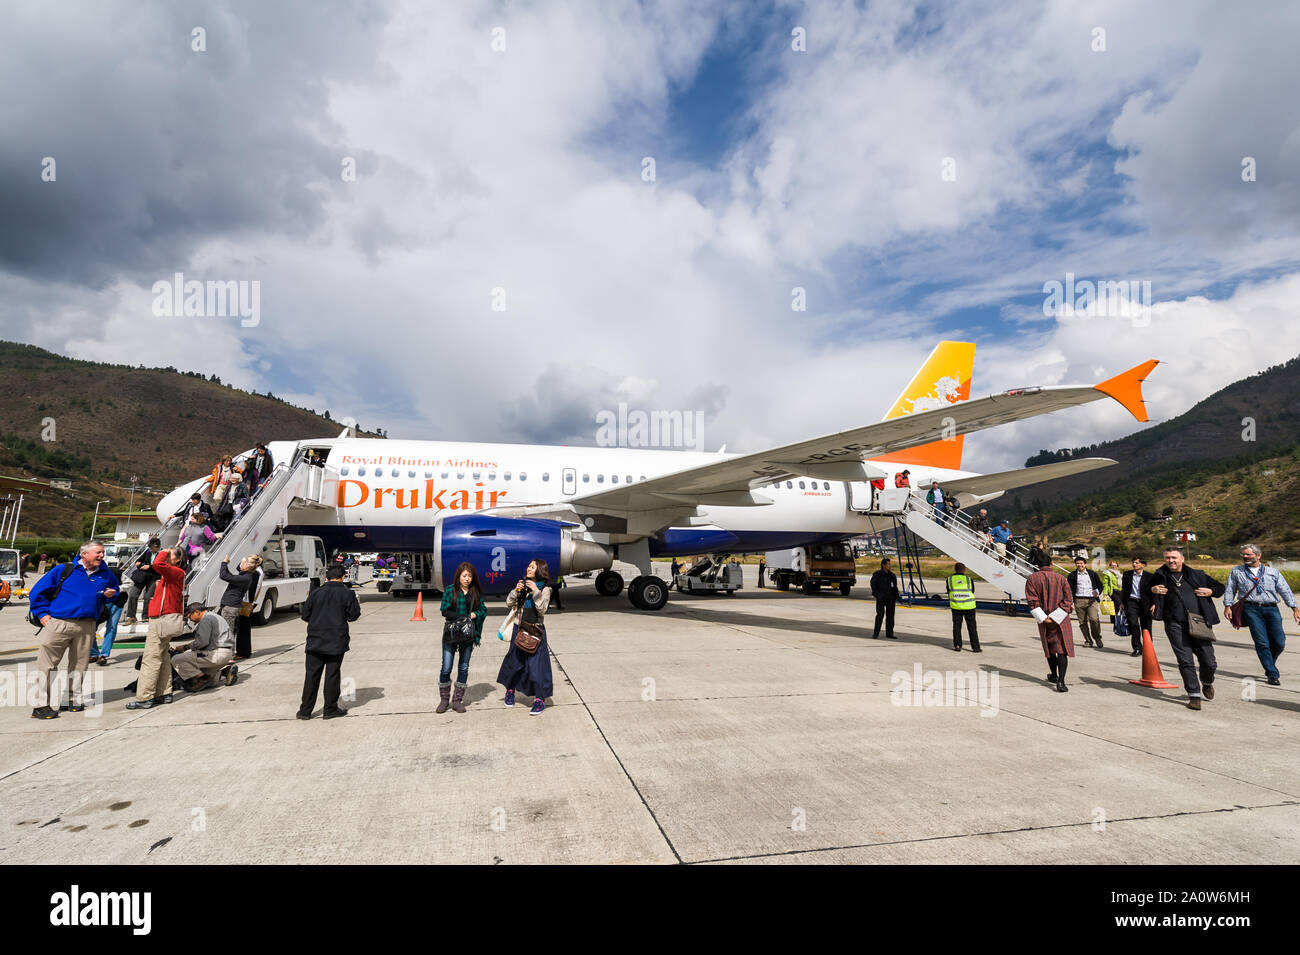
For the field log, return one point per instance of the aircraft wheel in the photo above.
(609, 583)
(648, 593)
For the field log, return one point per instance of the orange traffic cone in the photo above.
(1151, 675)
(419, 610)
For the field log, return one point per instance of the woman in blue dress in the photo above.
(529, 672)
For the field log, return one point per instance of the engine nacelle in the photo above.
(500, 548)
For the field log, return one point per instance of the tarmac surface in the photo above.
(764, 727)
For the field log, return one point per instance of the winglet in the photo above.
(1126, 388)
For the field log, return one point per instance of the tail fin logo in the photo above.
(944, 380)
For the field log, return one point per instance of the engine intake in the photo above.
(501, 548)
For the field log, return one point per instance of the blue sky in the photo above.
(519, 169)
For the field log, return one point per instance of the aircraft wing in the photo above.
(982, 484)
(733, 481)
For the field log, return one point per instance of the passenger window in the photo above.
(428, 475)
(801, 486)
(410, 474)
(477, 475)
(586, 478)
(507, 475)
(523, 476)
(460, 475)
(643, 477)
(444, 475)
(546, 475)
(361, 472)
(629, 479)
(492, 476)
(344, 470)
(379, 472)
(613, 479)
(789, 485)
(826, 485)
(600, 479)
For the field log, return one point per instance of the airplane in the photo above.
(499, 506)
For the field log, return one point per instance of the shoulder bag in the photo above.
(1197, 626)
(1237, 612)
(529, 635)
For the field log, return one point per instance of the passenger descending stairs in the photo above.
(955, 537)
(298, 484)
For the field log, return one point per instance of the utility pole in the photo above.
(95, 523)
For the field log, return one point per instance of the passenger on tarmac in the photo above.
(464, 611)
(1050, 603)
(1086, 587)
(145, 580)
(154, 685)
(241, 590)
(762, 572)
(67, 604)
(327, 610)
(1258, 588)
(884, 587)
(961, 601)
(1181, 592)
(529, 669)
(208, 657)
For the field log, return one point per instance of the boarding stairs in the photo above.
(299, 484)
(952, 534)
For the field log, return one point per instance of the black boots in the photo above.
(444, 695)
(458, 700)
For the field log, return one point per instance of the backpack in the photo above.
(63, 578)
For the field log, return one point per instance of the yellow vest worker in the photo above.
(961, 601)
(961, 592)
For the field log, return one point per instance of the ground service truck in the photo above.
(813, 566)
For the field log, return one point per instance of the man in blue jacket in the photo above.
(68, 612)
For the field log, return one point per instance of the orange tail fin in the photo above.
(944, 379)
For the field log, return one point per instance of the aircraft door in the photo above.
(570, 482)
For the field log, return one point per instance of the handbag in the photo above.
(460, 630)
(1237, 612)
(1107, 606)
(528, 637)
(1121, 625)
(245, 609)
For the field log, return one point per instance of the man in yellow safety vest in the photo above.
(961, 601)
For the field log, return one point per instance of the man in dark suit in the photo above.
(1135, 602)
(1085, 585)
(884, 587)
(327, 610)
(1178, 592)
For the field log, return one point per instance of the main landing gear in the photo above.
(646, 592)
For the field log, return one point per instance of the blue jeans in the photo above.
(449, 654)
(1265, 622)
(110, 633)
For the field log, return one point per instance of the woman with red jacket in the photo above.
(166, 620)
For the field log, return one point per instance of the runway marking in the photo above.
(5, 653)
